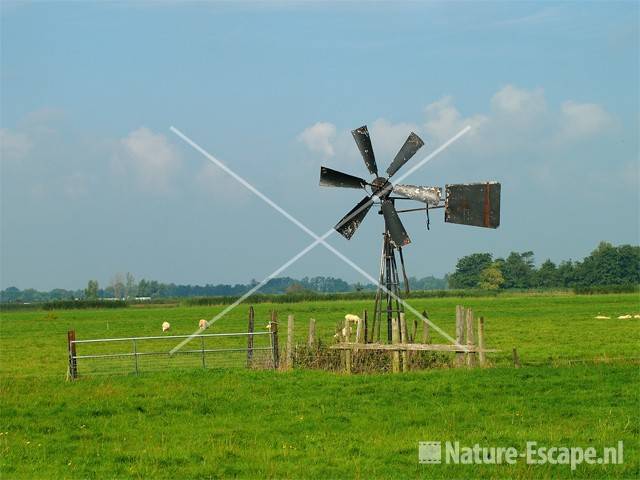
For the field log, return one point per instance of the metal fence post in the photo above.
(73, 362)
(274, 340)
(135, 354)
(250, 329)
(202, 346)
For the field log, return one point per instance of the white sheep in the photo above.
(624, 317)
(166, 326)
(202, 324)
(341, 334)
(636, 316)
(351, 318)
(602, 317)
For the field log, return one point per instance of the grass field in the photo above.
(578, 387)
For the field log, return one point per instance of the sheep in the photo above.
(636, 316)
(602, 317)
(624, 317)
(202, 324)
(351, 318)
(166, 326)
(341, 334)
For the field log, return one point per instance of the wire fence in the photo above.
(136, 355)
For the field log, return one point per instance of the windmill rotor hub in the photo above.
(379, 185)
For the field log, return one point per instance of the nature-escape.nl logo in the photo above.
(453, 453)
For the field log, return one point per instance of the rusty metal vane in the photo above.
(398, 234)
(361, 136)
(411, 145)
(334, 178)
(348, 225)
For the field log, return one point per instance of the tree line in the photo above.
(607, 265)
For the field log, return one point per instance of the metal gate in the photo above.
(137, 355)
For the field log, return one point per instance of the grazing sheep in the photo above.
(602, 317)
(636, 316)
(341, 334)
(351, 318)
(202, 324)
(166, 326)
(624, 317)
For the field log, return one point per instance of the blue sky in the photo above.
(95, 183)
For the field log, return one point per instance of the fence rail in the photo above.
(138, 354)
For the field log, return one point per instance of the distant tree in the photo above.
(60, 294)
(491, 278)
(130, 285)
(566, 274)
(427, 283)
(518, 270)
(295, 288)
(117, 285)
(11, 294)
(467, 274)
(609, 265)
(91, 292)
(547, 275)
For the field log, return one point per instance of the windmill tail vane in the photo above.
(474, 204)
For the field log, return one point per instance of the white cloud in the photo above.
(579, 120)
(14, 145)
(511, 100)
(318, 138)
(518, 125)
(387, 138)
(150, 156)
(443, 120)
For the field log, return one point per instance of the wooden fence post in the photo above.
(275, 350)
(482, 356)
(414, 333)
(312, 333)
(516, 358)
(471, 356)
(71, 346)
(250, 330)
(347, 353)
(404, 338)
(395, 338)
(459, 333)
(360, 331)
(426, 335)
(290, 342)
(365, 320)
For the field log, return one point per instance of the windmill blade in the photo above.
(428, 195)
(408, 150)
(394, 225)
(348, 225)
(334, 178)
(361, 136)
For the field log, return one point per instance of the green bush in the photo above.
(306, 296)
(599, 289)
(82, 304)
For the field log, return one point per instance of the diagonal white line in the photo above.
(432, 154)
(243, 182)
(294, 259)
(312, 234)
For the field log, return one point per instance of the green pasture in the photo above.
(578, 387)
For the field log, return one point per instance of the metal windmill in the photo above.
(475, 204)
